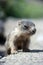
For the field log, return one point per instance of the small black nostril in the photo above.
(34, 30)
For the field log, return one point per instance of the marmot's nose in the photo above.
(26, 27)
(34, 31)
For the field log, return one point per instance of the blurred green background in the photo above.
(22, 8)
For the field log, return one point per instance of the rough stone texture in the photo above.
(23, 59)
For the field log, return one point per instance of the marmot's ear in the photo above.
(19, 22)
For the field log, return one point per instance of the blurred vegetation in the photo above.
(2, 14)
(23, 9)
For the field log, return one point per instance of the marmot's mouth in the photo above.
(33, 32)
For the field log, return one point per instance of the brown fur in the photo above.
(19, 39)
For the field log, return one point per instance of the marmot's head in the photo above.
(27, 27)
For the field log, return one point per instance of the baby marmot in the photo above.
(20, 37)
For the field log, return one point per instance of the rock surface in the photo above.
(21, 58)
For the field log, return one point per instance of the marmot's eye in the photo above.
(25, 27)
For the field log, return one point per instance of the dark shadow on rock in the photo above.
(34, 51)
(2, 54)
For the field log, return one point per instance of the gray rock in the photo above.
(23, 59)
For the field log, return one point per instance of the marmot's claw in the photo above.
(14, 52)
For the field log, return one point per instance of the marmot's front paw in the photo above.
(14, 52)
